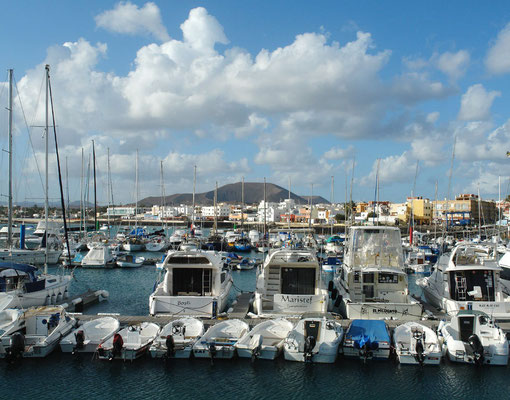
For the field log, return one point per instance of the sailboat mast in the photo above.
(136, 193)
(81, 191)
(194, 188)
(46, 206)
(9, 229)
(332, 200)
(265, 213)
(242, 206)
(108, 190)
(288, 209)
(215, 208)
(95, 190)
(67, 193)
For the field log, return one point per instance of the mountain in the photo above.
(232, 193)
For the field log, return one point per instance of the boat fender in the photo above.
(338, 301)
(53, 298)
(59, 298)
(66, 294)
(118, 344)
(80, 340)
(374, 345)
(47, 300)
(170, 346)
(330, 286)
(334, 294)
(476, 345)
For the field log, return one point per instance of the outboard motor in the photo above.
(118, 344)
(212, 351)
(310, 343)
(170, 346)
(256, 344)
(419, 337)
(80, 340)
(17, 346)
(477, 347)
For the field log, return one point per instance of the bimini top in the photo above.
(26, 268)
(9, 269)
(366, 330)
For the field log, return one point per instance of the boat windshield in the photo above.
(376, 247)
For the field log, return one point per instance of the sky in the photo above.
(293, 91)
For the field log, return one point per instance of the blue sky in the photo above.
(264, 89)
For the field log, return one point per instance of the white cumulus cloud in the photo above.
(476, 103)
(497, 60)
(128, 18)
(453, 64)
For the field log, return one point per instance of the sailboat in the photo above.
(20, 286)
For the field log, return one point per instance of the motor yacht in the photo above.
(467, 279)
(194, 283)
(290, 282)
(372, 282)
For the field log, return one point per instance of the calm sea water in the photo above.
(79, 377)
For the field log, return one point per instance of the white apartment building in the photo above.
(273, 212)
(222, 210)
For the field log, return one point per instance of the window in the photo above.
(388, 278)
(192, 281)
(298, 280)
(368, 277)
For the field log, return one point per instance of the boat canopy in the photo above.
(368, 331)
(26, 268)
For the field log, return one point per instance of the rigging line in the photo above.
(28, 128)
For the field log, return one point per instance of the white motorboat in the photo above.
(220, 339)
(43, 329)
(504, 277)
(177, 338)
(465, 279)
(100, 256)
(155, 245)
(21, 287)
(129, 343)
(289, 282)
(88, 336)
(367, 339)
(33, 257)
(194, 284)
(129, 261)
(473, 337)
(416, 344)
(52, 231)
(415, 262)
(314, 340)
(372, 282)
(265, 340)
(10, 322)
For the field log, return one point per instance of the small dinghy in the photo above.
(129, 261)
(367, 339)
(91, 334)
(245, 264)
(265, 340)
(416, 344)
(177, 338)
(472, 337)
(43, 329)
(219, 340)
(129, 343)
(314, 340)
